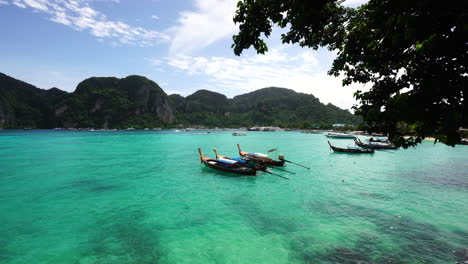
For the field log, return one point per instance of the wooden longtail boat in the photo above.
(250, 164)
(243, 161)
(351, 149)
(374, 145)
(261, 158)
(226, 165)
(379, 140)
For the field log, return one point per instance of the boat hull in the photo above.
(341, 137)
(260, 160)
(373, 146)
(355, 151)
(351, 150)
(210, 163)
(264, 161)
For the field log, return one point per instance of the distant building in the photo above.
(266, 128)
(339, 125)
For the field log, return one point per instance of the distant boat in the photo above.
(374, 145)
(351, 149)
(311, 132)
(340, 135)
(239, 134)
(380, 140)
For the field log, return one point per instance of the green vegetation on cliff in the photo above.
(267, 106)
(104, 102)
(23, 105)
(135, 101)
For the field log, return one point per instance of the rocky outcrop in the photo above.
(96, 102)
(111, 102)
(24, 105)
(148, 97)
(6, 115)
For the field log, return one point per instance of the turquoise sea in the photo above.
(142, 197)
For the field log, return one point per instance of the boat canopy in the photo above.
(239, 160)
(228, 161)
(260, 155)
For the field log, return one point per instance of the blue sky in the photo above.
(183, 45)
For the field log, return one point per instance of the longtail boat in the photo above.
(351, 149)
(374, 145)
(262, 158)
(243, 161)
(340, 135)
(379, 140)
(226, 165)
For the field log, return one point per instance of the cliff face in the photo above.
(6, 114)
(148, 97)
(96, 102)
(24, 105)
(113, 102)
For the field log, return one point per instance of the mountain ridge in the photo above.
(136, 101)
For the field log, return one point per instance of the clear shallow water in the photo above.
(143, 197)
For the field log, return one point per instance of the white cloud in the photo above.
(18, 4)
(80, 16)
(155, 17)
(197, 30)
(3, 2)
(301, 72)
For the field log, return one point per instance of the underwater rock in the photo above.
(461, 255)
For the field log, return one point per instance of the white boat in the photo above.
(340, 135)
(239, 134)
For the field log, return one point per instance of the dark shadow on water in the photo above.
(124, 238)
(416, 241)
(450, 175)
(103, 188)
(93, 186)
(341, 255)
(5, 254)
(376, 196)
(262, 222)
(461, 236)
(213, 172)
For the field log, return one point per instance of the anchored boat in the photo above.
(226, 165)
(351, 149)
(262, 158)
(340, 136)
(374, 145)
